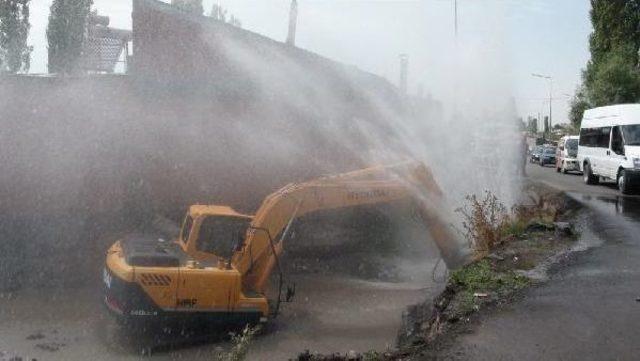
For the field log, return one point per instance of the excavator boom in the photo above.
(408, 180)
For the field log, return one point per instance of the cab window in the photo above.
(186, 228)
(219, 235)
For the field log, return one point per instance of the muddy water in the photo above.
(331, 313)
(351, 298)
(338, 315)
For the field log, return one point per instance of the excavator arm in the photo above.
(201, 276)
(264, 242)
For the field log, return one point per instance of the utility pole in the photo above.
(404, 70)
(550, 101)
(293, 22)
(550, 79)
(455, 58)
(455, 18)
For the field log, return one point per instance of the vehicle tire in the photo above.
(589, 177)
(541, 162)
(564, 170)
(623, 184)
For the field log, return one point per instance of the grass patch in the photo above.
(515, 228)
(241, 342)
(481, 276)
(373, 355)
(466, 303)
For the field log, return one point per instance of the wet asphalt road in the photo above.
(588, 309)
(570, 182)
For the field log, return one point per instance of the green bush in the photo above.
(483, 221)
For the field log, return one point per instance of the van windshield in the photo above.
(572, 147)
(631, 134)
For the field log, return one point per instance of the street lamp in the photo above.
(455, 19)
(550, 79)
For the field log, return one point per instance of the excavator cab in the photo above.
(212, 233)
(190, 278)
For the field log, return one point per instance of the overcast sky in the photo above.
(524, 36)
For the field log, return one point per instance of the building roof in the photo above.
(104, 48)
(273, 50)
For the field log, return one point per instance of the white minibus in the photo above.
(567, 153)
(609, 145)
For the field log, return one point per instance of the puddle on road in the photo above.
(614, 218)
(586, 240)
(603, 220)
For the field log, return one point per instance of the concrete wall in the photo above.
(210, 114)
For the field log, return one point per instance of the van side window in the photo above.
(595, 137)
(617, 145)
(603, 137)
(585, 137)
(588, 137)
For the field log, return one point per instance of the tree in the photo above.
(579, 104)
(615, 79)
(615, 25)
(234, 21)
(220, 14)
(612, 75)
(15, 54)
(190, 6)
(522, 126)
(66, 34)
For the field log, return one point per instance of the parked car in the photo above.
(548, 156)
(535, 154)
(567, 154)
(609, 145)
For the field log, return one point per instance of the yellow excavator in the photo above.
(219, 267)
